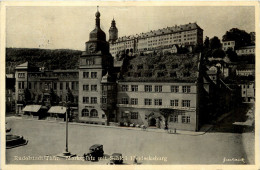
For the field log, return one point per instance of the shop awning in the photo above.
(32, 108)
(57, 109)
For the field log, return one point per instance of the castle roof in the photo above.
(167, 30)
(157, 68)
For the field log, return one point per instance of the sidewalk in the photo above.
(204, 129)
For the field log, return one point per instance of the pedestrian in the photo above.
(135, 160)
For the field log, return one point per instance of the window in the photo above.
(67, 85)
(61, 85)
(185, 119)
(186, 89)
(151, 66)
(21, 85)
(73, 85)
(76, 99)
(21, 75)
(134, 115)
(85, 74)
(124, 87)
(93, 87)
(134, 87)
(134, 101)
(140, 67)
(93, 113)
(175, 89)
(186, 103)
(174, 102)
(124, 100)
(103, 100)
(93, 100)
(147, 88)
(173, 74)
(29, 85)
(93, 74)
(90, 61)
(158, 102)
(174, 118)
(158, 88)
(147, 101)
(55, 86)
(85, 113)
(85, 87)
(85, 99)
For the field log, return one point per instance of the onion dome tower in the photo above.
(97, 39)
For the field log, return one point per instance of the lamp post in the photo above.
(66, 154)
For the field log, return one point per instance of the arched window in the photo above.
(85, 113)
(93, 113)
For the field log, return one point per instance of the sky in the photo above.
(67, 27)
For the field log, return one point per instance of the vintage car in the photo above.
(116, 158)
(95, 151)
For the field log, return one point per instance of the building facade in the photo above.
(95, 62)
(183, 35)
(248, 91)
(248, 50)
(39, 86)
(228, 44)
(156, 91)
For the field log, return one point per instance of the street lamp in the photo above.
(66, 154)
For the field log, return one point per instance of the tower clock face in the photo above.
(92, 48)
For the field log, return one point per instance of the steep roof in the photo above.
(23, 66)
(161, 68)
(246, 47)
(167, 30)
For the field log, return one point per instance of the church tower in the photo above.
(113, 32)
(95, 62)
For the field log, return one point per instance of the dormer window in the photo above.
(140, 67)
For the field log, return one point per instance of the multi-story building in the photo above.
(245, 70)
(160, 91)
(38, 86)
(228, 44)
(248, 91)
(183, 35)
(95, 102)
(247, 50)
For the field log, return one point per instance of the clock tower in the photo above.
(94, 63)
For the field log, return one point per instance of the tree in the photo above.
(214, 43)
(218, 53)
(206, 42)
(27, 96)
(70, 96)
(232, 55)
(166, 113)
(241, 37)
(53, 97)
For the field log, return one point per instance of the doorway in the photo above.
(152, 122)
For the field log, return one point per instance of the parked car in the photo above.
(95, 151)
(116, 158)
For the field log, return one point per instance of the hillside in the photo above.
(50, 59)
